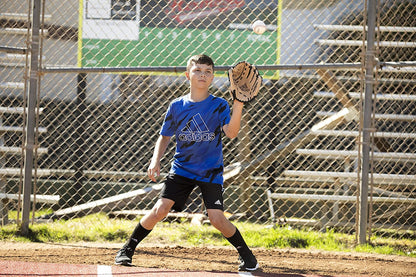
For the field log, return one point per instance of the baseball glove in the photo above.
(245, 81)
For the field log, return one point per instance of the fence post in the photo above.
(30, 126)
(79, 138)
(367, 110)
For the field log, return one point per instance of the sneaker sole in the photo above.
(249, 268)
(123, 263)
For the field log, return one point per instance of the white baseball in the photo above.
(259, 27)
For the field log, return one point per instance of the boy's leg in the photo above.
(212, 194)
(145, 226)
(231, 233)
(158, 212)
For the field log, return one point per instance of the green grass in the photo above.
(100, 228)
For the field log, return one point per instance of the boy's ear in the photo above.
(187, 74)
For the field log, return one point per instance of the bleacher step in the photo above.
(21, 17)
(378, 178)
(20, 31)
(342, 154)
(16, 110)
(339, 198)
(18, 150)
(359, 43)
(7, 171)
(16, 129)
(50, 199)
(12, 85)
(347, 133)
(398, 117)
(379, 96)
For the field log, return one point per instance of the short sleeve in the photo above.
(225, 113)
(168, 127)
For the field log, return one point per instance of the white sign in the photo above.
(111, 19)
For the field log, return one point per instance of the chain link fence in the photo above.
(297, 159)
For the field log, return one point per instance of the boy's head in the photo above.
(199, 59)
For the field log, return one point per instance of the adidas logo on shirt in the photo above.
(196, 130)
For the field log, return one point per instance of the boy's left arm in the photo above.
(233, 127)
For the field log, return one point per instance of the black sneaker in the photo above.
(248, 263)
(124, 256)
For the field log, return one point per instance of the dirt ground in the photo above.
(280, 261)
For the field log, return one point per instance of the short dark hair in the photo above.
(200, 59)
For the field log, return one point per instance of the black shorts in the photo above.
(178, 189)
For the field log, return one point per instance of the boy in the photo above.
(197, 120)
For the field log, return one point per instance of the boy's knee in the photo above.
(161, 209)
(217, 219)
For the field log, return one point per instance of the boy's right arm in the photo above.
(233, 127)
(160, 148)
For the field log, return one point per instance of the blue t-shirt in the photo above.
(198, 130)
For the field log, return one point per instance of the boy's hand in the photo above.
(153, 170)
(160, 148)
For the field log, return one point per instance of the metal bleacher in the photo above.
(14, 59)
(343, 185)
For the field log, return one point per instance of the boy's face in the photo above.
(200, 75)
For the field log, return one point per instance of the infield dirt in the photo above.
(279, 261)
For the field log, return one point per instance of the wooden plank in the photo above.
(379, 178)
(338, 198)
(114, 174)
(338, 90)
(342, 154)
(345, 114)
(136, 213)
(107, 204)
(41, 198)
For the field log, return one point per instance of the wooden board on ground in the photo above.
(107, 204)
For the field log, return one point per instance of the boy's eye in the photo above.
(202, 71)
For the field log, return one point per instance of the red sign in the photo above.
(183, 11)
